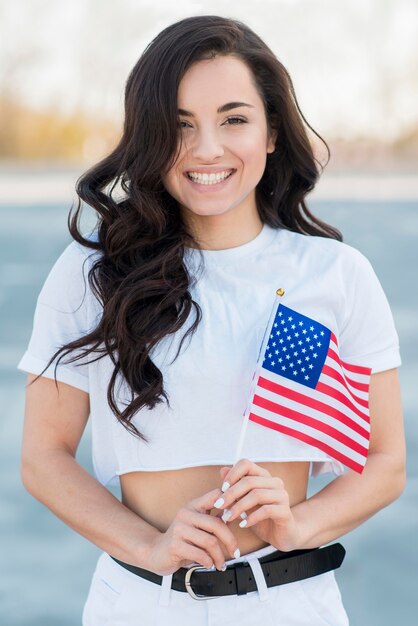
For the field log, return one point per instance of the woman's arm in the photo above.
(342, 505)
(352, 498)
(54, 424)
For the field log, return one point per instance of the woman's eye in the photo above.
(235, 119)
(231, 121)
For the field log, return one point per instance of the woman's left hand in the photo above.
(264, 497)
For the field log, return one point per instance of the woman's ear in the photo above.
(271, 146)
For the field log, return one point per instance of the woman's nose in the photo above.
(207, 146)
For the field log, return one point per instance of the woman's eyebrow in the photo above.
(222, 109)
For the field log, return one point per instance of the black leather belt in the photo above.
(278, 567)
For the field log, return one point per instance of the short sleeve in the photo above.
(368, 335)
(61, 315)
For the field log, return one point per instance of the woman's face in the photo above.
(224, 148)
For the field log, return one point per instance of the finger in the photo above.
(277, 512)
(208, 543)
(192, 554)
(257, 498)
(245, 485)
(242, 468)
(205, 502)
(213, 525)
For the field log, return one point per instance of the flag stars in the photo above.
(299, 361)
(315, 336)
(307, 339)
(286, 330)
(296, 334)
(290, 318)
(275, 324)
(273, 363)
(270, 355)
(280, 314)
(319, 344)
(276, 352)
(288, 337)
(322, 333)
(277, 332)
(282, 322)
(300, 342)
(287, 356)
(306, 377)
(293, 326)
(283, 367)
(295, 372)
(303, 350)
(304, 331)
(311, 328)
(274, 344)
(310, 366)
(311, 348)
(281, 340)
(315, 355)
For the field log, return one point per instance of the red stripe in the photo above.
(296, 416)
(309, 440)
(358, 369)
(300, 398)
(336, 375)
(334, 393)
(353, 383)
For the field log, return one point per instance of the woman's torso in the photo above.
(157, 496)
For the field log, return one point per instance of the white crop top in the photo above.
(208, 383)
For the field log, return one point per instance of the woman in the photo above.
(213, 168)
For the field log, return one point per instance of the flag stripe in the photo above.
(337, 375)
(331, 391)
(357, 467)
(313, 432)
(349, 382)
(318, 405)
(296, 416)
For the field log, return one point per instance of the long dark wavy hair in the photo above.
(139, 277)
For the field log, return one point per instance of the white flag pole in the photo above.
(266, 336)
(264, 342)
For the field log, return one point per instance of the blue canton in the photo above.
(297, 347)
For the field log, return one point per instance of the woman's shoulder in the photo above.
(324, 250)
(67, 279)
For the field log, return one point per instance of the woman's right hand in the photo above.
(193, 536)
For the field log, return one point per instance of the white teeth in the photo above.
(209, 179)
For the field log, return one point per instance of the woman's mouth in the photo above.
(209, 182)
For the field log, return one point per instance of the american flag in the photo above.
(303, 389)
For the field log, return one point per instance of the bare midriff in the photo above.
(157, 496)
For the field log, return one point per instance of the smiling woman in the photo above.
(215, 163)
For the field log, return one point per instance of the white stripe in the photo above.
(314, 413)
(316, 395)
(312, 432)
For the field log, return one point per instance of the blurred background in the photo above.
(63, 67)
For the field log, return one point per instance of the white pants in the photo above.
(119, 598)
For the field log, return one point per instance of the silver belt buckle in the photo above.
(188, 584)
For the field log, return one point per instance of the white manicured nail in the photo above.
(223, 568)
(226, 515)
(243, 515)
(225, 486)
(219, 502)
(243, 523)
(237, 554)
